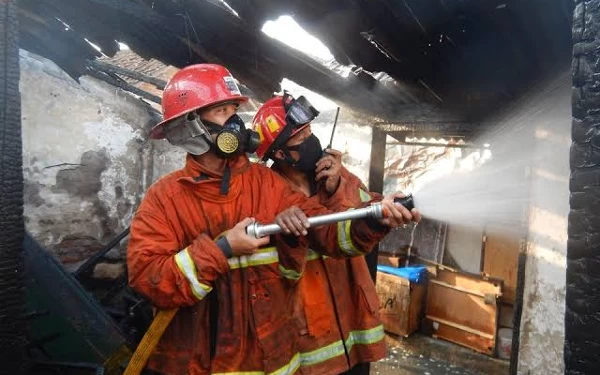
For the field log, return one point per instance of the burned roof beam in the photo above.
(180, 34)
(110, 79)
(47, 37)
(432, 144)
(106, 67)
(429, 127)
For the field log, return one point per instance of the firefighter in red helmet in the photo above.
(339, 300)
(189, 242)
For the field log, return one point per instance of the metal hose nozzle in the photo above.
(374, 211)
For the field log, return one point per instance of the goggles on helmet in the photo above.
(299, 111)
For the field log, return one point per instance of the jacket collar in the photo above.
(195, 169)
(206, 183)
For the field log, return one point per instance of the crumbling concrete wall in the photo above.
(85, 157)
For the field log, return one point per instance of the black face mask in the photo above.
(232, 138)
(310, 152)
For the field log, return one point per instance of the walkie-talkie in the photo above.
(337, 113)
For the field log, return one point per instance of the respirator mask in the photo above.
(232, 138)
(195, 136)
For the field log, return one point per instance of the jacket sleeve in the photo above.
(162, 268)
(348, 238)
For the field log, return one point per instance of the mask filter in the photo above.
(233, 138)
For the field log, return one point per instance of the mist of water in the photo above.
(410, 245)
(498, 192)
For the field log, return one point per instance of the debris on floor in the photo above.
(420, 354)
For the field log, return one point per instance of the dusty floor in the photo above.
(420, 354)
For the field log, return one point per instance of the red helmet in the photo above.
(279, 119)
(194, 87)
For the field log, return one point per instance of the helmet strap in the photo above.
(226, 179)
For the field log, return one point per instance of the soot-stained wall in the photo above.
(85, 158)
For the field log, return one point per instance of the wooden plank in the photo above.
(460, 289)
(471, 282)
(464, 338)
(392, 261)
(400, 303)
(461, 308)
(458, 326)
(501, 261)
(415, 309)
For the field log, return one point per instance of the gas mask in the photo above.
(194, 135)
(232, 138)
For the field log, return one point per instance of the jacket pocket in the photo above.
(317, 306)
(273, 314)
(370, 299)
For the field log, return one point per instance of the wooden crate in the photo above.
(400, 303)
(462, 308)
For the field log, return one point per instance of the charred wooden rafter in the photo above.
(181, 33)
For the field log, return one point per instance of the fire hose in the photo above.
(163, 317)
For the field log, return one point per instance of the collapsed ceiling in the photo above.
(452, 62)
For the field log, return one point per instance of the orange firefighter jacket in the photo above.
(174, 262)
(340, 315)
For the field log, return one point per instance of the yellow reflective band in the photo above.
(364, 196)
(322, 354)
(312, 255)
(344, 241)
(261, 257)
(188, 269)
(290, 368)
(369, 336)
(290, 274)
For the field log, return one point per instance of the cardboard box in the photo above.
(400, 303)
